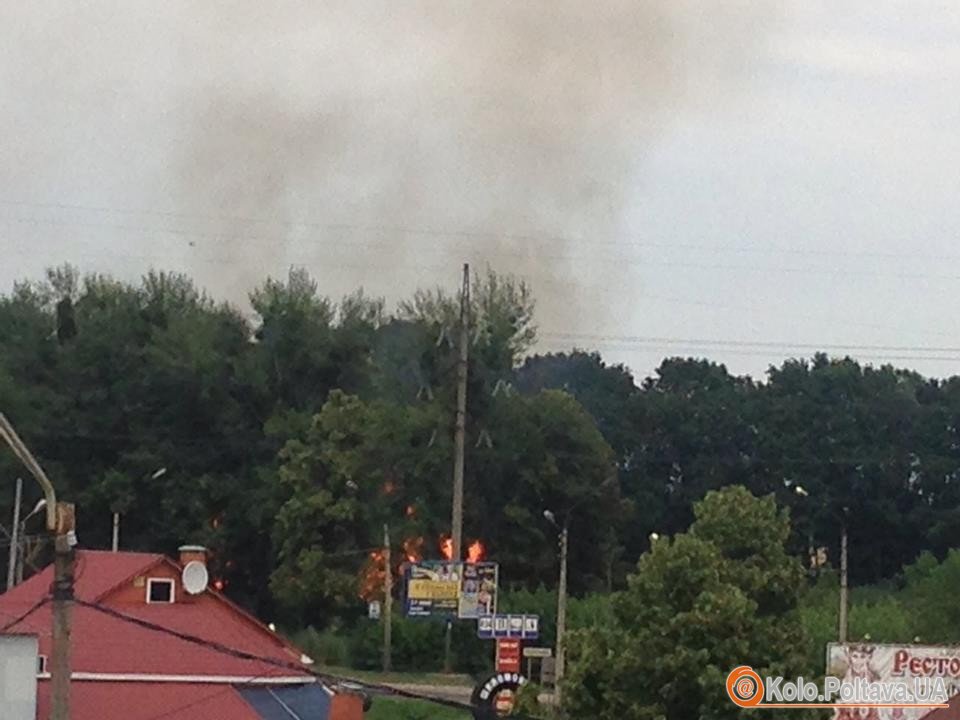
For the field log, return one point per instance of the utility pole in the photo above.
(387, 601)
(459, 447)
(115, 545)
(14, 537)
(843, 582)
(561, 617)
(460, 435)
(60, 524)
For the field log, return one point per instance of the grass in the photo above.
(385, 708)
(400, 678)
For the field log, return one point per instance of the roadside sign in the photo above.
(548, 671)
(504, 703)
(433, 589)
(373, 610)
(522, 627)
(478, 594)
(537, 652)
(508, 656)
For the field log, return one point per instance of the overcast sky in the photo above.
(742, 180)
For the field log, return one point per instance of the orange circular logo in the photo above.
(745, 687)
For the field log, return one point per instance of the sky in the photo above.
(744, 180)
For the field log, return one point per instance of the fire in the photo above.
(413, 549)
(373, 577)
(476, 552)
(446, 547)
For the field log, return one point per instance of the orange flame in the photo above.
(476, 552)
(413, 549)
(373, 578)
(446, 547)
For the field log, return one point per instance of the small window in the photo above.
(41, 664)
(159, 590)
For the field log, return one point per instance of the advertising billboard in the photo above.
(448, 590)
(433, 589)
(873, 663)
(478, 596)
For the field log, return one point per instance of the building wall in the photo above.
(346, 706)
(18, 677)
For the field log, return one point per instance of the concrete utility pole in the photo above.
(60, 524)
(14, 537)
(387, 602)
(460, 435)
(115, 545)
(561, 616)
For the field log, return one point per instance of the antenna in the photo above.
(195, 577)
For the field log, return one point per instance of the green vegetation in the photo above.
(288, 437)
(384, 708)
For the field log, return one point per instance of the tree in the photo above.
(722, 595)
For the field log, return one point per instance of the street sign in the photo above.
(373, 610)
(508, 656)
(522, 627)
(537, 652)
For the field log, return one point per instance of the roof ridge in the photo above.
(156, 559)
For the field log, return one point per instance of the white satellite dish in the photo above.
(195, 577)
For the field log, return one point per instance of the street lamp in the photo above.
(800, 491)
(561, 604)
(119, 507)
(551, 517)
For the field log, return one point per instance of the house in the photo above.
(151, 641)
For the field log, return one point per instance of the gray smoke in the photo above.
(382, 142)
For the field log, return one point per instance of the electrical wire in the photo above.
(620, 240)
(19, 619)
(331, 680)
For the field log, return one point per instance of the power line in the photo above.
(327, 679)
(620, 260)
(748, 343)
(620, 240)
(20, 618)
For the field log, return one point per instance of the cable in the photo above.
(622, 240)
(750, 343)
(244, 655)
(39, 604)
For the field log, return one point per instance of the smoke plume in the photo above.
(382, 142)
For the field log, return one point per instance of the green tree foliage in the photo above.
(722, 595)
(261, 420)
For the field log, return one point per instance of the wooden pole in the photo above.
(14, 537)
(843, 584)
(387, 602)
(461, 420)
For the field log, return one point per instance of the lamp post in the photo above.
(561, 604)
(121, 506)
(60, 524)
(843, 611)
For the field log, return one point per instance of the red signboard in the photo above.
(508, 655)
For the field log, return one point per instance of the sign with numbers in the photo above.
(520, 627)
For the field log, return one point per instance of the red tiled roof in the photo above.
(150, 701)
(106, 644)
(96, 573)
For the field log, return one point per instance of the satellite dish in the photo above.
(195, 577)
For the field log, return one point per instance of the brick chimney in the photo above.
(193, 553)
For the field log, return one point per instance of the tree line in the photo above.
(289, 434)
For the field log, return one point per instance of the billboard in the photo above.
(478, 596)
(447, 590)
(893, 663)
(433, 589)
